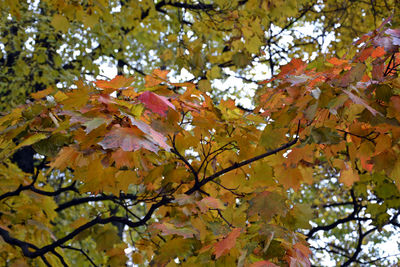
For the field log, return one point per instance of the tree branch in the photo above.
(40, 252)
(79, 201)
(243, 163)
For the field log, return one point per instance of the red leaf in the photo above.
(129, 139)
(224, 246)
(366, 53)
(156, 103)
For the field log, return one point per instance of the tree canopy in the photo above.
(144, 170)
(47, 43)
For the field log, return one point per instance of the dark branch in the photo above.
(40, 252)
(81, 251)
(243, 163)
(79, 201)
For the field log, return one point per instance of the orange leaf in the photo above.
(366, 53)
(123, 158)
(224, 246)
(64, 158)
(158, 76)
(378, 52)
(348, 176)
(337, 62)
(42, 93)
(118, 82)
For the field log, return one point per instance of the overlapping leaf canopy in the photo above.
(50, 42)
(175, 178)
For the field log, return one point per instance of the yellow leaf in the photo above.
(60, 23)
(60, 96)
(348, 176)
(42, 93)
(31, 140)
(204, 85)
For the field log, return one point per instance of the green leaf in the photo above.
(325, 135)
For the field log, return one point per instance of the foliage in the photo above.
(47, 43)
(173, 178)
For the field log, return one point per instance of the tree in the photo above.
(48, 43)
(163, 175)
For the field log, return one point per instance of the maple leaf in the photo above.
(353, 75)
(170, 229)
(42, 93)
(219, 177)
(225, 245)
(362, 102)
(119, 82)
(348, 176)
(150, 133)
(378, 52)
(128, 139)
(336, 61)
(210, 203)
(267, 204)
(158, 76)
(155, 103)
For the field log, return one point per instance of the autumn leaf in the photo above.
(94, 123)
(66, 156)
(127, 138)
(210, 203)
(337, 62)
(348, 176)
(42, 93)
(158, 76)
(170, 229)
(358, 100)
(150, 133)
(241, 183)
(225, 245)
(31, 140)
(353, 75)
(155, 103)
(267, 204)
(378, 52)
(60, 23)
(119, 82)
